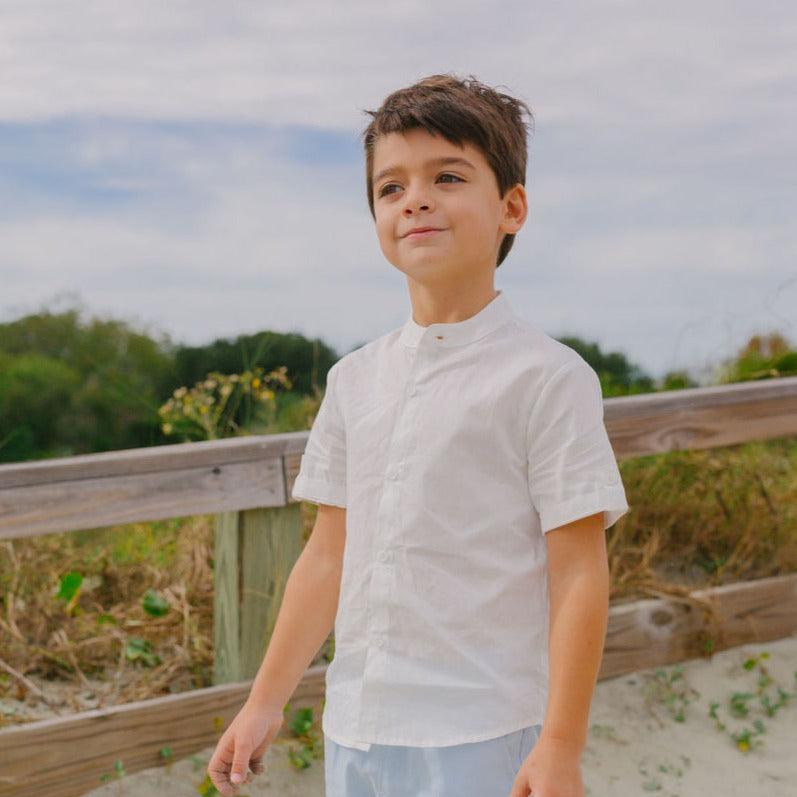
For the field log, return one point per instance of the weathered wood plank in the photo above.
(654, 632)
(226, 599)
(271, 542)
(641, 634)
(152, 459)
(95, 502)
(703, 417)
(65, 756)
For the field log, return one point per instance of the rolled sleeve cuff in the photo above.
(609, 498)
(319, 484)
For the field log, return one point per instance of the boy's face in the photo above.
(461, 200)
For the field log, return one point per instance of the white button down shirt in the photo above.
(455, 448)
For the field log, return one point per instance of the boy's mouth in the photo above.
(422, 232)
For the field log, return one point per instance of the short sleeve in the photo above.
(572, 470)
(322, 471)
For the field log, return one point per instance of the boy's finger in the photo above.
(219, 780)
(240, 764)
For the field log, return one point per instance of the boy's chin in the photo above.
(426, 259)
(429, 271)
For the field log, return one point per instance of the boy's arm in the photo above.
(307, 612)
(578, 582)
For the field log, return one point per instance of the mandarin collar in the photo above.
(494, 314)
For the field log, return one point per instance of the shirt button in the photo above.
(380, 642)
(394, 474)
(384, 556)
(413, 390)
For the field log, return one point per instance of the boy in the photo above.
(464, 479)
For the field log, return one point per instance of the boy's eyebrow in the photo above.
(448, 160)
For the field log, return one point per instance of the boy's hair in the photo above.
(460, 110)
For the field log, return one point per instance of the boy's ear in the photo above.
(515, 209)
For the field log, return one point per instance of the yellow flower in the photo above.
(255, 382)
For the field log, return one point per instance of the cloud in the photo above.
(200, 165)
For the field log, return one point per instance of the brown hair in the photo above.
(460, 110)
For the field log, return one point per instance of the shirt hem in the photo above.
(406, 742)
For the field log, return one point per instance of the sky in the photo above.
(196, 168)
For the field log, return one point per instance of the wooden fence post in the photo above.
(256, 550)
(226, 602)
(271, 541)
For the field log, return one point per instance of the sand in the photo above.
(636, 746)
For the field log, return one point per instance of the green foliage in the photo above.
(677, 380)
(763, 357)
(618, 376)
(206, 788)
(151, 542)
(36, 398)
(301, 726)
(167, 756)
(745, 705)
(154, 603)
(669, 688)
(138, 649)
(308, 360)
(118, 772)
(302, 721)
(208, 410)
(69, 590)
(69, 586)
(70, 385)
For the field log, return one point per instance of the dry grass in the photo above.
(704, 518)
(698, 518)
(42, 634)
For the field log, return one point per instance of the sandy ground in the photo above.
(636, 746)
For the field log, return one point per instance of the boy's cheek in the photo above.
(386, 240)
(385, 233)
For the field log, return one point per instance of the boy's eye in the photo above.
(383, 191)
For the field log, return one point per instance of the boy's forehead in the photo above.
(415, 147)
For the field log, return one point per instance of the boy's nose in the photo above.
(422, 206)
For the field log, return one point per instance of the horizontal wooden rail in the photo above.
(641, 634)
(701, 417)
(65, 756)
(98, 490)
(138, 484)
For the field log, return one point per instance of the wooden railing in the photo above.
(246, 483)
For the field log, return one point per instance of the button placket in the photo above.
(382, 574)
(380, 583)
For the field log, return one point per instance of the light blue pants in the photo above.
(473, 769)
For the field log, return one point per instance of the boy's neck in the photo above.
(431, 306)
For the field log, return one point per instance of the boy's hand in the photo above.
(242, 746)
(551, 769)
